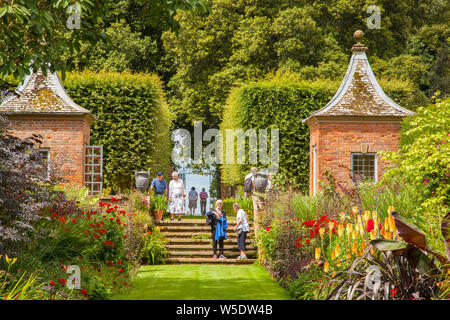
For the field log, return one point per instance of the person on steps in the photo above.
(218, 228)
(242, 228)
(176, 196)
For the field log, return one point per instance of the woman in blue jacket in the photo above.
(219, 227)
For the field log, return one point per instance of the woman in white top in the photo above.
(242, 228)
(176, 196)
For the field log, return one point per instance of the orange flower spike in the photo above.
(333, 255)
(338, 263)
(340, 231)
(354, 234)
(354, 248)
(349, 256)
(326, 265)
(321, 233)
(337, 250)
(317, 254)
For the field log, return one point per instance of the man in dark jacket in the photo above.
(215, 214)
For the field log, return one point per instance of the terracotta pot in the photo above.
(157, 214)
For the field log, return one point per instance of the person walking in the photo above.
(218, 228)
(193, 197)
(203, 200)
(242, 228)
(249, 182)
(176, 196)
(159, 186)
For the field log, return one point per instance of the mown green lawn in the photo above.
(204, 282)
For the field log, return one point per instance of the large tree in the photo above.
(247, 39)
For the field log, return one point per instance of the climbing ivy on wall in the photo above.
(283, 102)
(132, 124)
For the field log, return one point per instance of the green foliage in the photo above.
(242, 40)
(34, 31)
(245, 203)
(133, 122)
(158, 203)
(153, 250)
(424, 161)
(283, 102)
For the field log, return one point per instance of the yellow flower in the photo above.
(333, 256)
(338, 263)
(337, 250)
(321, 232)
(342, 216)
(326, 266)
(340, 231)
(317, 254)
(333, 274)
(348, 256)
(354, 234)
(390, 208)
(355, 210)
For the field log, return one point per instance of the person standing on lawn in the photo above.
(193, 197)
(241, 228)
(218, 228)
(176, 196)
(203, 199)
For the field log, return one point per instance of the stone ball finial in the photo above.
(358, 46)
(358, 35)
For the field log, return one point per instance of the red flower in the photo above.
(74, 221)
(110, 262)
(268, 228)
(122, 271)
(84, 292)
(62, 281)
(308, 241)
(370, 225)
(120, 261)
(394, 291)
(298, 244)
(52, 283)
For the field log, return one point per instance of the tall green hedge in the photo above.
(283, 102)
(133, 122)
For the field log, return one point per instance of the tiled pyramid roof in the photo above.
(359, 93)
(39, 94)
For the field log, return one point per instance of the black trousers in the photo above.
(241, 241)
(213, 237)
(203, 206)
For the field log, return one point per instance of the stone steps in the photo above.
(189, 241)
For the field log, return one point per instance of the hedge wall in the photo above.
(283, 102)
(133, 122)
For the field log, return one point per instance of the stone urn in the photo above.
(260, 182)
(142, 180)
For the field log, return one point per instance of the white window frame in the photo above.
(375, 173)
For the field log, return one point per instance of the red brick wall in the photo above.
(336, 141)
(64, 138)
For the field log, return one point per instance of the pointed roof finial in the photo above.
(358, 46)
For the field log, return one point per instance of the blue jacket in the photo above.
(221, 229)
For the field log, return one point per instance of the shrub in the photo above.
(153, 249)
(133, 122)
(283, 103)
(424, 162)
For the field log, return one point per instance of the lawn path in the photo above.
(204, 282)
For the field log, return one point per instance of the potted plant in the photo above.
(158, 206)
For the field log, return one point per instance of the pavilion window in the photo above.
(364, 165)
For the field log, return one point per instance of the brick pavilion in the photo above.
(359, 121)
(40, 105)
